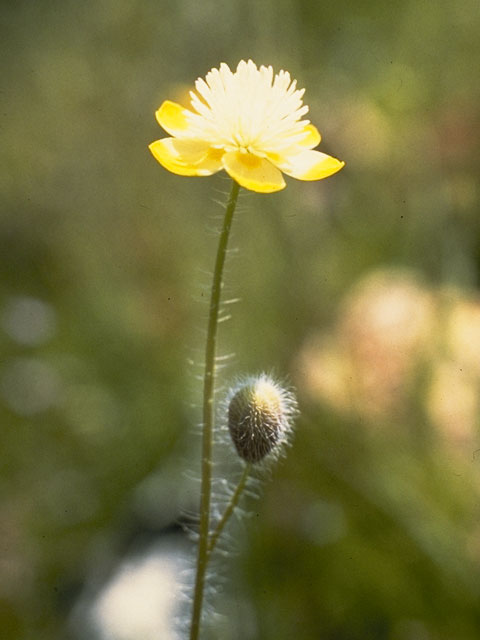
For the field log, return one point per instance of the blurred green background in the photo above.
(362, 289)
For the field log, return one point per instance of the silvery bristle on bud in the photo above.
(260, 415)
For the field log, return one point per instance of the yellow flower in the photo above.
(247, 122)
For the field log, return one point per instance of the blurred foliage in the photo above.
(370, 528)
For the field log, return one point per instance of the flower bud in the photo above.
(260, 413)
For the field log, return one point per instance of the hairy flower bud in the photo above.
(260, 414)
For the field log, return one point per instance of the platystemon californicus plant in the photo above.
(248, 123)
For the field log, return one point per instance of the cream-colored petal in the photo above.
(173, 118)
(252, 172)
(310, 165)
(211, 163)
(187, 157)
(312, 137)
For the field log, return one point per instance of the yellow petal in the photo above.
(312, 137)
(187, 157)
(310, 165)
(173, 118)
(252, 172)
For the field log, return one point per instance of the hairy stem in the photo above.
(229, 509)
(208, 413)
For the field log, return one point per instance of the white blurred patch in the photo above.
(28, 321)
(29, 386)
(140, 602)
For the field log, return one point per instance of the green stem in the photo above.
(208, 413)
(229, 510)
